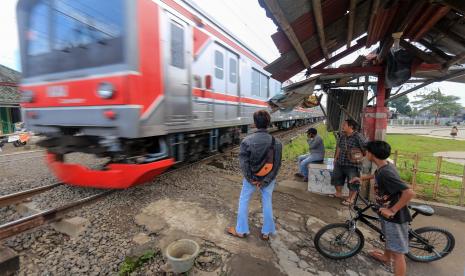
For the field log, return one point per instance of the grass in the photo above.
(423, 145)
(299, 145)
(407, 146)
(131, 264)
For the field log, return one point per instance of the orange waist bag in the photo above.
(268, 160)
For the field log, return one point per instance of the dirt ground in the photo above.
(299, 215)
(199, 203)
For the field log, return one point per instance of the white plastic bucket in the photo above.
(181, 255)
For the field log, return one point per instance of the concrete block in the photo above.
(72, 227)
(27, 209)
(319, 178)
(9, 261)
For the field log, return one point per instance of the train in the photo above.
(146, 84)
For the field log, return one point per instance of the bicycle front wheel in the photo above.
(431, 245)
(337, 241)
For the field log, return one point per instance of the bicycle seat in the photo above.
(422, 209)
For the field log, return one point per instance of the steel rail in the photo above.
(21, 196)
(27, 223)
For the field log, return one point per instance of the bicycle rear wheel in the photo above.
(440, 243)
(337, 241)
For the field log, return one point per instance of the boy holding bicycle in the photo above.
(393, 195)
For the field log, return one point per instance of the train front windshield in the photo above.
(66, 35)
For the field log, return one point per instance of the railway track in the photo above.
(33, 221)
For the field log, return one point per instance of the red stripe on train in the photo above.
(201, 93)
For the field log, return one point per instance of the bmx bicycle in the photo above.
(343, 240)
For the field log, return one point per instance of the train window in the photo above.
(38, 34)
(219, 65)
(232, 70)
(64, 35)
(263, 86)
(255, 82)
(177, 46)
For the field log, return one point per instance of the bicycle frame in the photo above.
(364, 218)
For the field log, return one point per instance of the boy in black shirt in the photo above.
(393, 195)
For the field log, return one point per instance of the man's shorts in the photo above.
(396, 236)
(343, 173)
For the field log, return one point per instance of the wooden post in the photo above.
(414, 172)
(396, 156)
(462, 192)
(438, 176)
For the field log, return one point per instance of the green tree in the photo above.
(401, 105)
(438, 104)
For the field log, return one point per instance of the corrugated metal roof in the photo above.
(439, 23)
(352, 101)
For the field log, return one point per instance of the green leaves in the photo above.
(130, 264)
(438, 104)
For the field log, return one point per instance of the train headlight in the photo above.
(106, 90)
(27, 96)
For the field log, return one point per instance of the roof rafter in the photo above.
(278, 14)
(350, 29)
(318, 16)
(418, 53)
(457, 59)
(444, 78)
(360, 44)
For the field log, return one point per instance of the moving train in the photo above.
(144, 83)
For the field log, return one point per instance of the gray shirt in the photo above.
(253, 147)
(317, 147)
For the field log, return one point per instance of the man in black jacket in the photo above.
(251, 157)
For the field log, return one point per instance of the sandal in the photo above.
(346, 202)
(232, 231)
(264, 237)
(298, 175)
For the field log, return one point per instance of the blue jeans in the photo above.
(303, 162)
(242, 225)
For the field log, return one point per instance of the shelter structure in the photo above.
(414, 42)
(9, 99)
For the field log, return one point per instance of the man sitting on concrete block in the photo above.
(316, 155)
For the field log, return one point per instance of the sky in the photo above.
(244, 18)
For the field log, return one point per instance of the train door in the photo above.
(219, 82)
(177, 69)
(232, 83)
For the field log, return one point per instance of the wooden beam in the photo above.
(374, 9)
(418, 53)
(457, 59)
(367, 70)
(360, 44)
(438, 14)
(435, 50)
(318, 16)
(278, 14)
(350, 29)
(456, 4)
(444, 78)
